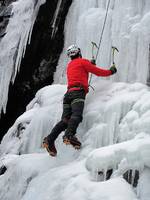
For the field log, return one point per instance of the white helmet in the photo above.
(73, 50)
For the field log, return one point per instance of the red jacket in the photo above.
(78, 73)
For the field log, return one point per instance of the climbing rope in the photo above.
(101, 36)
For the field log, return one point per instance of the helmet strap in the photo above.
(79, 55)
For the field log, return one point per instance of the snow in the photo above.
(13, 44)
(35, 183)
(20, 173)
(39, 111)
(144, 185)
(133, 154)
(110, 136)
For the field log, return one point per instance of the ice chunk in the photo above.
(133, 154)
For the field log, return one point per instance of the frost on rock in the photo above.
(13, 44)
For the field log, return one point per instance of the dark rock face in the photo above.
(132, 177)
(3, 169)
(39, 62)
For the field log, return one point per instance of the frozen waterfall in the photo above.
(127, 28)
(115, 132)
(13, 44)
(114, 113)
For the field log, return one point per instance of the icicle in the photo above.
(54, 24)
(96, 175)
(148, 79)
(101, 175)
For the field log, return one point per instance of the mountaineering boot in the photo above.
(49, 147)
(73, 140)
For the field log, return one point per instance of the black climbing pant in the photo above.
(73, 105)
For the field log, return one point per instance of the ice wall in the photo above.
(127, 28)
(114, 113)
(13, 44)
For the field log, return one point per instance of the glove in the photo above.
(113, 69)
(93, 61)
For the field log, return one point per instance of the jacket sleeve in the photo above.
(89, 67)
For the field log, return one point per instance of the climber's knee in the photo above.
(65, 120)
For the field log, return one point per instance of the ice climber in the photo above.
(78, 70)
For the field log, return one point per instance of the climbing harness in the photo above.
(100, 40)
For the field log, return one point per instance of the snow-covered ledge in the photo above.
(121, 157)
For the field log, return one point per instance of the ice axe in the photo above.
(93, 45)
(113, 53)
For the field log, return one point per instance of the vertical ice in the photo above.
(54, 22)
(13, 44)
(127, 28)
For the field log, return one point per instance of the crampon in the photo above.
(50, 148)
(72, 140)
